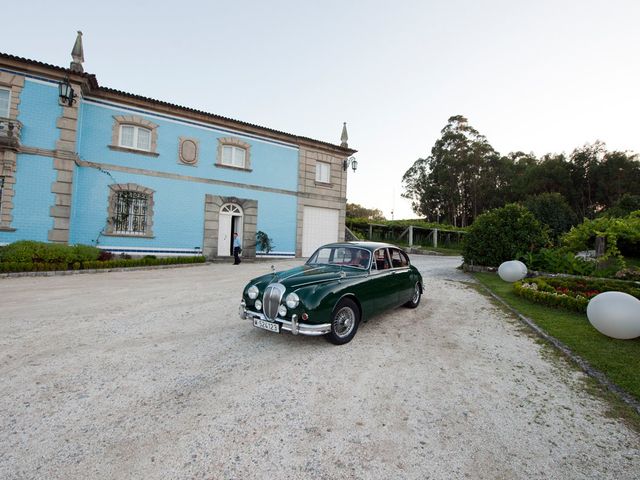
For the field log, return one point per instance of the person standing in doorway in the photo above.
(237, 249)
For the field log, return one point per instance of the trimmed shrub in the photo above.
(569, 293)
(28, 251)
(503, 234)
(18, 266)
(85, 253)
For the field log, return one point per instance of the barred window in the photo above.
(131, 210)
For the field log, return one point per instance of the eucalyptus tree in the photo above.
(457, 180)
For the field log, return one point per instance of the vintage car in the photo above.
(340, 285)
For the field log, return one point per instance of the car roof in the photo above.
(362, 244)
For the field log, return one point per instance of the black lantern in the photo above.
(350, 161)
(67, 95)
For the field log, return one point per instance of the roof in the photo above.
(93, 89)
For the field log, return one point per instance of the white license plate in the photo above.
(272, 327)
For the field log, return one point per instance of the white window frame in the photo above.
(323, 172)
(234, 153)
(7, 113)
(136, 129)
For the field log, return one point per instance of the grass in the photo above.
(617, 359)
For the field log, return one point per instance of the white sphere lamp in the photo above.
(512, 271)
(615, 314)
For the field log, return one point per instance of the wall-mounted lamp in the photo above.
(350, 161)
(67, 95)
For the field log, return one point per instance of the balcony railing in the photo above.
(10, 133)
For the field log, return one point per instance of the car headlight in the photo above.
(282, 311)
(292, 300)
(252, 292)
(258, 305)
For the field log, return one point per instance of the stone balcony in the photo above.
(9, 134)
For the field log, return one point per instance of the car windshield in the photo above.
(342, 256)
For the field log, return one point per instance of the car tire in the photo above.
(415, 298)
(344, 322)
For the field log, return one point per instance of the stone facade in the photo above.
(319, 194)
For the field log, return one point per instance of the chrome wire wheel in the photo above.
(415, 298)
(416, 294)
(344, 321)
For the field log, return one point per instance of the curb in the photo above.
(585, 366)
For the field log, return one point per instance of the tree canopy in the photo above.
(465, 176)
(355, 210)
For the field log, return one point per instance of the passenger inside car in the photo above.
(381, 259)
(360, 258)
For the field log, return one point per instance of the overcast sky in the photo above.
(538, 76)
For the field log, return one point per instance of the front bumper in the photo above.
(293, 325)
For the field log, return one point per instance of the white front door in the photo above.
(229, 222)
(224, 235)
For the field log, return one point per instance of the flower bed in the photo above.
(570, 293)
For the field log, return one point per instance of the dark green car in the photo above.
(340, 285)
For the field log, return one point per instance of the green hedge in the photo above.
(11, 267)
(29, 251)
(569, 293)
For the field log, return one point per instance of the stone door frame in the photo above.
(212, 205)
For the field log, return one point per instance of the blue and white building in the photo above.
(82, 163)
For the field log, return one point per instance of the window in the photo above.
(234, 153)
(132, 136)
(5, 102)
(131, 213)
(398, 258)
(323, 172)
(130, 210)
(381, 259)
(233, 156)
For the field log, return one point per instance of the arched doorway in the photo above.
(229, 222)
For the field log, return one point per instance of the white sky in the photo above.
(538, 76)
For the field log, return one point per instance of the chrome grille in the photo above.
(271, 300)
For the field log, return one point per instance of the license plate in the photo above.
(272, 327)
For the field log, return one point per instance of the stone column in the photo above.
(64, 163)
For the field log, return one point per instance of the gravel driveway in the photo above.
(151, 374)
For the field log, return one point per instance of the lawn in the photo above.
(619, 360)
